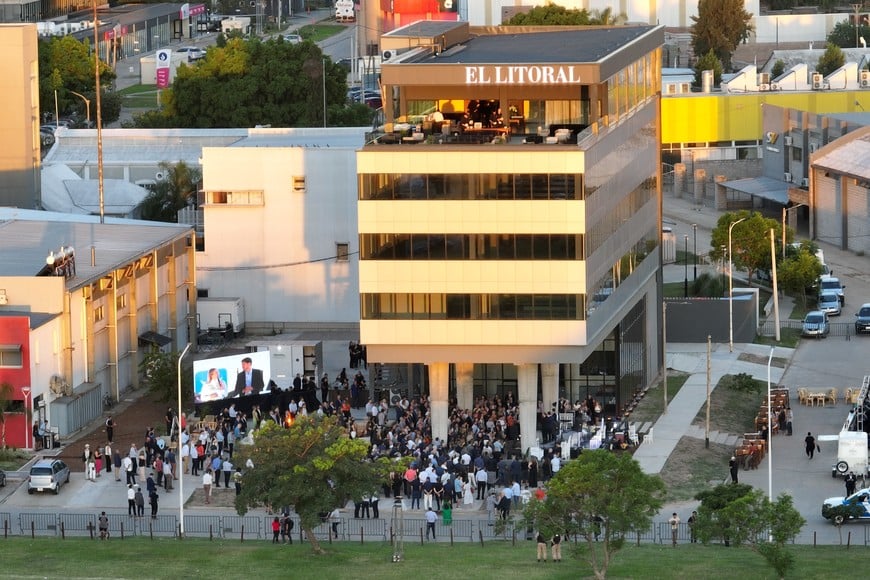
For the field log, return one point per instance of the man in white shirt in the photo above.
(431, 518)
(482, 477)
(206, 485)
(556, 464)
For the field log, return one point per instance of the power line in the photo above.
(272, 266)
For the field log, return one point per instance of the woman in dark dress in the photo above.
(533, 473)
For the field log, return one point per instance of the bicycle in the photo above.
(108, 401)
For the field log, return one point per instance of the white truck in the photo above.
(344, 11)
(217, 313)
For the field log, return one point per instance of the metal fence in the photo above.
(350, 529)
(840, 329)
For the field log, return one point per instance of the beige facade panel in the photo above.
(474, 159)
(473, 277)
(463, 334)
(484, 217)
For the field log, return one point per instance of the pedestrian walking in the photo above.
(131, 500)
(810, 445)
(206, 485)
(153, 500)
(675, 528)
(103, 523)
(276, 529)
(140, 502)
(431, 518)
(693, 519)
(110, 428)
(733, 468)
(789, 417)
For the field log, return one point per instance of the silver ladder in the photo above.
(862, 396)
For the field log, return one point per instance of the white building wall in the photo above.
(43, 362)
(287, 246)
(858, 217)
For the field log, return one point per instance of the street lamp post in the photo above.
(769, 434)
(686, 267)
(731, 289)
(695, 251)
(87, 107)
(26, 392)
(180, 460)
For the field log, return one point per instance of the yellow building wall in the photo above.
(704, 118)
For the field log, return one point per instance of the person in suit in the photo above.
(249, 381)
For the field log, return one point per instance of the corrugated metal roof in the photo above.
(764, 187)
(850, 158)
(27, 236)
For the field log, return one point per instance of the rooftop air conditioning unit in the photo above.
(864, 79)
(159, 176)
(818, 81)
(685, 88)
(764, 87)
(387, 55)
(774, 87)
(805, 182)
(787, 140)
(787, 177)
(764, 78)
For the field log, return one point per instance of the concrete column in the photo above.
(465, 385)
(527, 385)
(438, 390)
(549, 384)
(679, 179)
(700, 184)
(721, 194)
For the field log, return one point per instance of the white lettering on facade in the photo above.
(521, 74)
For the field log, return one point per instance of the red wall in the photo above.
(397, 13)
(16, 330)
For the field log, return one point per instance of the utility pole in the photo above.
(707, 429)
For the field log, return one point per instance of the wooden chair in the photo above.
(803, 396)
(832, 396)
(847, 397)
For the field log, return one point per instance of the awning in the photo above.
(151, 337)
(764, 187)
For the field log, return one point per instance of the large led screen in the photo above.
(228, 377)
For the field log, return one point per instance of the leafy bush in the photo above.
(743, 383)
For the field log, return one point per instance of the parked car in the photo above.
(193, 52)
(48, 474)
(840, 509)
(292, 38)
(862, 319)
(816, 324)
(832, 283)
(829, 303)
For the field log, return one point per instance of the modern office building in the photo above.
(509, 217)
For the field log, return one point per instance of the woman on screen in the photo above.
(213, 388)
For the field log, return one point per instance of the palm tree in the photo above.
(175, 191)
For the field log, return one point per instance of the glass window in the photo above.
(541, 247)
(10, 356)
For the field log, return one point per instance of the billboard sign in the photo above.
(164, 56)
(226, 377)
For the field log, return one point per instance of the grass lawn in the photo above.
(653, 403)
(692, 468)
(139, 97)
(13, 459)
(318, 32)
(80, 558)
(788, 337)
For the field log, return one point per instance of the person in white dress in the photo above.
(467, 493)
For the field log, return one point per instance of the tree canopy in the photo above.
(312, 467)
(175, 191)
(598, 494)
(750, 240)
(720, 26)
(832, 59)
(709, 62)
(555, 15)
(799, 271)
(253, 82)
(843, 34)
(67, 65)
(742, 515)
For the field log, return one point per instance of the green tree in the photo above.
(799, 271)
(750, 240)
(742, 515)
(778, 69)
(720, 26)
(65, 65)
(551, 15)
(832, 59)
(160, 371)
(252, 82)
(843, 34)
(312, 467)
(599, 494)
(709, 62)
(175, 191)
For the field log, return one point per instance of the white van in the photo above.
(833, 284)
(851, 454)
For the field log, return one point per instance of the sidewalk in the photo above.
(677, 422)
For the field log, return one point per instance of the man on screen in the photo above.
(249, 381)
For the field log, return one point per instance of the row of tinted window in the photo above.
(507, 186)
(471, 247)
(403, 306)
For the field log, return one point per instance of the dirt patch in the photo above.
(692, 468)
(731, 411)
(221, 497)
(777, 362)
(131, 420)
